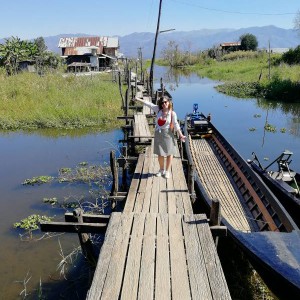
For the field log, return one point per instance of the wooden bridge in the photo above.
(157, 248)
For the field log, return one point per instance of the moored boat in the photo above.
(255, 218)
(283, 181)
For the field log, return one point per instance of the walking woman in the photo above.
(164, 140)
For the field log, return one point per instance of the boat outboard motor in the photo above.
(198, 121)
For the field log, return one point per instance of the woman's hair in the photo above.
(164, 98)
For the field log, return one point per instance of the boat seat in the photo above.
(285, 176)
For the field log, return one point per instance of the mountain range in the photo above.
(193, 40)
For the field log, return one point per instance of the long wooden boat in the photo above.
(253, 215)
(282, 181)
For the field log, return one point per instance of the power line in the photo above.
(234, 12)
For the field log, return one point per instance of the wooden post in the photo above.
(215, 215)
(114, 170)
(191, 181)
(84, 238)
(124, 173)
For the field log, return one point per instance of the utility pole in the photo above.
(154, 49)
(269, 61)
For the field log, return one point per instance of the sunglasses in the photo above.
(163, 102)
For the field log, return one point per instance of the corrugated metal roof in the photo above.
(82, 50)
(230, 44)
(113, 42)
(73, 42)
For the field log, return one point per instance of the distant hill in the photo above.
(193, 40)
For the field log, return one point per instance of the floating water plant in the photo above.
(51, 201)
(31, 222)
(283, 130)
(252, 129)
(37, 180)
(270, 128)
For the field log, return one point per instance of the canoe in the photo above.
(282, 181)
(255, 219)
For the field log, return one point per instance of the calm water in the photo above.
(26, 155)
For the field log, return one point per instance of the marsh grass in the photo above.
(247, 75)
(52, 101)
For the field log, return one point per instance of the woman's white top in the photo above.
(159, 114)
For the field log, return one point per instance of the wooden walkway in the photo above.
(157, 248)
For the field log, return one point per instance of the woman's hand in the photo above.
(182, 138)
(138, 99)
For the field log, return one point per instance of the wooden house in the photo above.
(89, 53)
(231, 46)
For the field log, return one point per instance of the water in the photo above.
(234, 117)
(25, 155)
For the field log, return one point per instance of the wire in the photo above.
(234, 12)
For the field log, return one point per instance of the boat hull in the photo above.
(275, 255)
(290, 202)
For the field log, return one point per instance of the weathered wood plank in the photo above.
(162, 202)
(179, 273)
(87, 218)
(113, 281)
(199, 282)
(104, 258)
(132, 270)
(149, 181)
(171, 194)
(129, 205)
(155, 195)
(217, 281)
(162, 273)
(146, 281)
(73, 227)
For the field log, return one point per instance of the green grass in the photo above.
(29, 101)
(248, 76)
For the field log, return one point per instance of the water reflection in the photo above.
(26, 155)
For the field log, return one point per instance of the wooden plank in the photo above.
(139, 202)
(182, 185)
(146, 281)
(217, 281)
(146, 170)
(179, 273)
(87, 218)
(73, 227)
(104, 258)
(177, 190)
(163, 202)
(155, 195)
(171, 195)
(113, 281)
(134, 185)
(162, 269)
(150, 177)
(199, 282)
(132, 270)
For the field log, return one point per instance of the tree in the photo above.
(248, 42)
(297, 21)
(40, 43)
(15, 50)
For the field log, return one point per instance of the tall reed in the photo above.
(53, 101)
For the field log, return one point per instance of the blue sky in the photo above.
(33, 18)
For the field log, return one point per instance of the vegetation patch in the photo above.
(29, 101)
(270, 128)
(37, 180)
